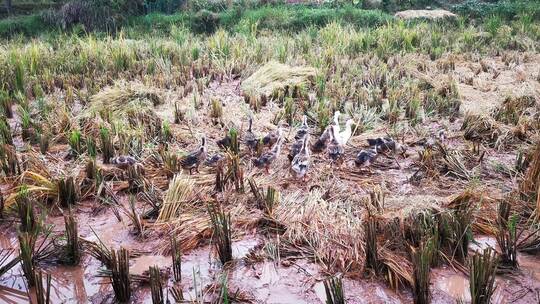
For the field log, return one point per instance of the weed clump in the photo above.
(507, 236)
(27, 241)
(372, 254)
(107, 147)
(156, 286)
(176, 260)
(43, 293)
(421, 261)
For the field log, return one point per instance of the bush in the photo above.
(164, 6)
(204, 21)
(95, 14)
(288, 18)
(31, 25)
(504, 9)
(296, 18)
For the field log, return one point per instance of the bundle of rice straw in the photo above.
(129, 104)
(530, 187)
(479, 128)
(274, 76)
(180, 192)
(333, 231)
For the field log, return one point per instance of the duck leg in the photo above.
(395, 159)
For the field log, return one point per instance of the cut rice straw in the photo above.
(180, 191)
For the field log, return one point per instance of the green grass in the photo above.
(93, 59)
(30, 26)
(505, 9)
(290, 18)
(287, 18)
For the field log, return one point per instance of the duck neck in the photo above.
(278, 146)
(346, 134)
(304, 145)
(203, 145)
(332, 132)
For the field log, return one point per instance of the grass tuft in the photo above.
(9, 160)
(482, 269)
(43, 293)
(372, 254)
(221, 224)
(507, 237)
(421, 261)
(107, 147)
(26, 247)
(120, 278)
(68, 193)
(176, 260)
(156, 287)
(333, 287)
(72, 252)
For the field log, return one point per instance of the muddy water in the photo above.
(80, 285)
(364, 292)
(266, 282)
(522, 286)
(482, 242)
(453, 286)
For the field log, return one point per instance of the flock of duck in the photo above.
(333, 140)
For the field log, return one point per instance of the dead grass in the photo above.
(274, 77)
(331, 230)
(180, 191)
(127, 104)
(530, 186)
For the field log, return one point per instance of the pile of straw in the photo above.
(128, 104)
(180, 192)
(332, 231)
(275, 76)
(479, 128)
(530, 186)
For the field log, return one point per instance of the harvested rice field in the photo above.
(175, 160)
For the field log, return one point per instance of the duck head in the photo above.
(203, 144)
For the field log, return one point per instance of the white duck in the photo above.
(344, 136)
(336, 121)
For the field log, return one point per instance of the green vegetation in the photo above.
(31, 25)
(92, 61)
(117, 105)
(506, 9)
(207, 17)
